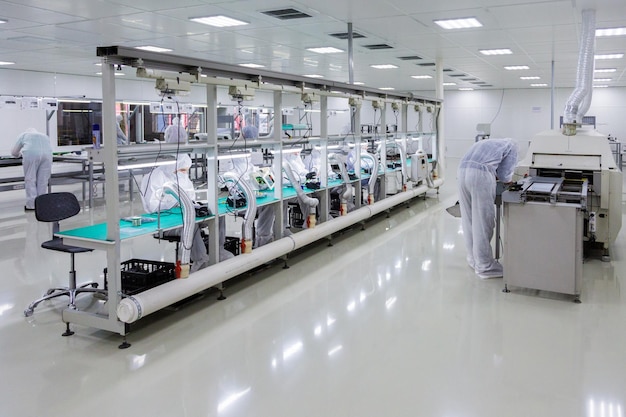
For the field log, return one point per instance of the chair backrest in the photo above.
(53, 207)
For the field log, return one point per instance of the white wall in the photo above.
(520, 114)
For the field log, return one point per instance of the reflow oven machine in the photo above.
(569, 199)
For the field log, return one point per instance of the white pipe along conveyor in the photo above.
(135, 307)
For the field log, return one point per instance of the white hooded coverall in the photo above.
(485, 161)
(154, 200)
(175, 132)
(36, 152)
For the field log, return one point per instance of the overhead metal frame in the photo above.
(137, 58)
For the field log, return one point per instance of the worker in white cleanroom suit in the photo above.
(121, 136)
(36, 153)
(175, 132)
(155, 200)
(486, 162)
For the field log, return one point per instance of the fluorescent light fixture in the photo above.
(601, 86)
(539, 85)
(325, 50)
(123, 167)
(421, 77)
(602, 80)
(69, 100)
(218, 21)
(605, 70)
(609, 56)
(530, 78)
(3, 21)
(358, 83)
(151, 48)
(448, 84)
(6, 63)
(466, 89)
(386, 88)
(233, 156)
(462, 23)
(251, 65)
(384, 66)
(516, 67)
(611, 32)
(505, 51)
(115, 73)
(313, 76)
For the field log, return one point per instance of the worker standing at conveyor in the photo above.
(36, 153)
(155, 200)
(486, 162)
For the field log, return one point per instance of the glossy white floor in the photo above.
(390, 321)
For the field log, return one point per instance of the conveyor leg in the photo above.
(577, 299)
(506, 289)
(387, 212)
(330, 241)
(285, 266)
(67, 331)
(362, 225)
(125, 344)
(220, 288)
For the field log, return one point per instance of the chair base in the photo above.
(70, 292)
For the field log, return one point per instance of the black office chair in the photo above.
(53, 208)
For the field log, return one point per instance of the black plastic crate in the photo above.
(139, 275)
(231, 244)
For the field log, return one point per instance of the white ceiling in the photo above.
(62, 35)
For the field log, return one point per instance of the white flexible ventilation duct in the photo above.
(575, 106)
(309, 201)
(347, 194)
(373, 177)
(135, 307)
(235, 181)
(189, 217)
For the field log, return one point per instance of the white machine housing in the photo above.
(552, 154)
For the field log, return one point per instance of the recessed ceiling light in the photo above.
(251, 65)
(601, 86)
(530, 78)
(609, 56)
(504, 51)
(421, 77)
(313, 76)
(516, 67)
(448, 84)
(218, 21)
(325, 50)
(386, 88)
(601, 80)
(466, 89)
(153, 48)
(384, 66)
(605, 70)
(463, 23)
(539, 85)
(611, 32)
